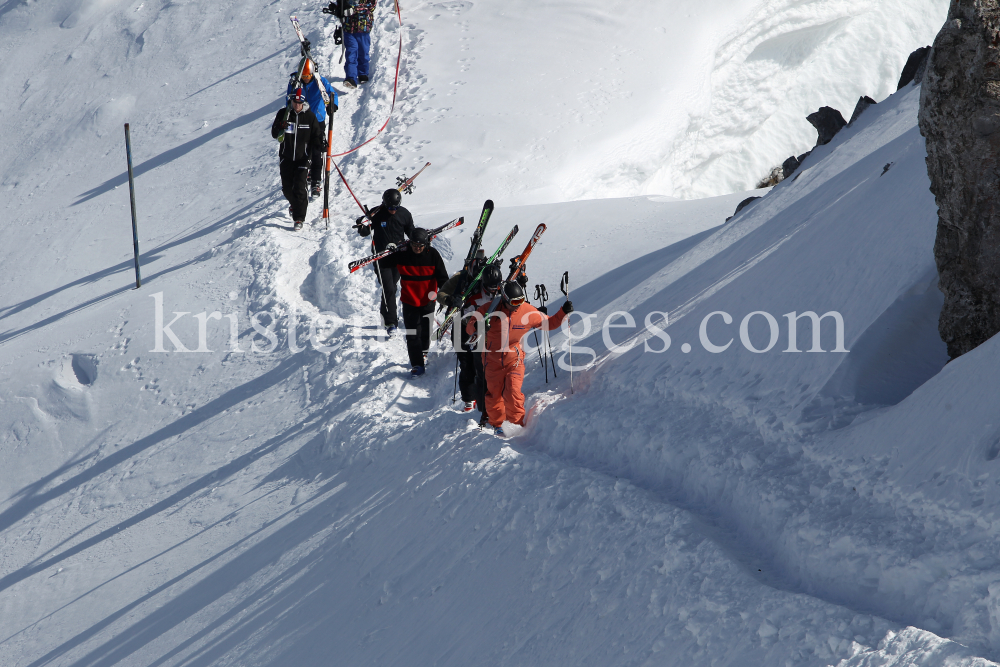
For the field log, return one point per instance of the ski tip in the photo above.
(488, 204)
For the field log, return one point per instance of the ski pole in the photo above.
(327, 158)
(564, 286)
(131, 194)
(541, 359)
(546, 334)
(455, 391)
(377, 265)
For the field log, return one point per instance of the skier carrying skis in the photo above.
(503, 359)
(300, 141)
(391, 224)
(450, 295)
(357, 41)
(422, 272)
(314, 98)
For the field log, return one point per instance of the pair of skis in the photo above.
(477, 242)
(516, 268)
(365, 261)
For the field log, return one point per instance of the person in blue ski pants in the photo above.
(357, 42)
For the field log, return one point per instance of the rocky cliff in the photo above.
(960, 119)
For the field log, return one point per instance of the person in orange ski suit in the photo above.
(503, 356)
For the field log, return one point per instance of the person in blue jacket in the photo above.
(310, 87)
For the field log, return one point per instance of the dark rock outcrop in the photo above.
(960, 119)
(789, 166)
(828, 122)
(863, 103)
(916, 65)
(742, 205)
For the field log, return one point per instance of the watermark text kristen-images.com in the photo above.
(715, 332)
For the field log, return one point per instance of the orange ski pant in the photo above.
(504, 375)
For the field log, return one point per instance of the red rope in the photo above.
(348, 186)
(392, 107)
(395, 85)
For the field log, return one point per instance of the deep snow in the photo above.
(303, 507)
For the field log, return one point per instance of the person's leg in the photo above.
(316, 170)
(300, 197)
(389, 278)
(426, 318)
(412, 317)
(351, 55)
(513, 397)
(364, 47)
(479, 393)
(288, 171)
(496, 378)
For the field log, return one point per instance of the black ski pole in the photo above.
(541, 359)
(564, 286)
(131, 194)
(455, 391)
(546, 333)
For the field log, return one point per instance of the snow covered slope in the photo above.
(297, 506)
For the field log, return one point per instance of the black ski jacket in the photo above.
(303, 138)
(388, 227)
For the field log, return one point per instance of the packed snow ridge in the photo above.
(271, 502)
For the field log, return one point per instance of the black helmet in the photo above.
(492, 278)
(391, 198)
(420, 236)
(513, 294)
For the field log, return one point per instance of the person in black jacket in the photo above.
(391, 225)
(301, 141)
(422, 272)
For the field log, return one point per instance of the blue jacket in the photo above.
(315, 99)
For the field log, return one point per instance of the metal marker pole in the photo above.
(131, 194)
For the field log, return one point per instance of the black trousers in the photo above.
(467, 368)
(418, 331)
(293, 186)
(388, 277)
(477, 360)
(318, 163)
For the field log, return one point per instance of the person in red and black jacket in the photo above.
(421, 275)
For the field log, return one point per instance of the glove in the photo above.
(567, 307)
(391, 246)
(455, 301)
(544, 310)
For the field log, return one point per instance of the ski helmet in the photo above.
(420, 236)
(513, 293)
(307, 72)
(391, 198)
(492, 278)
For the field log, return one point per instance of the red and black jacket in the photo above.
(420, 275)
